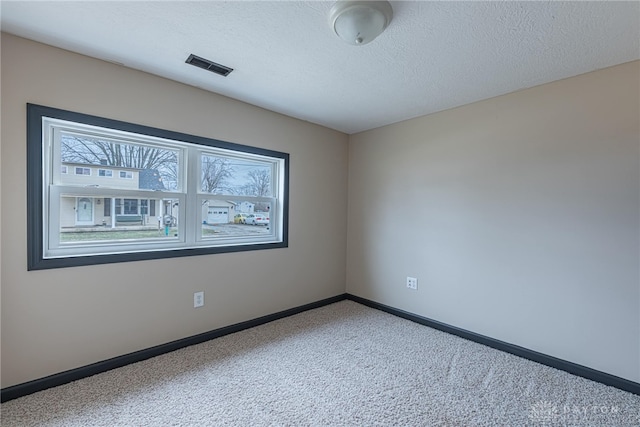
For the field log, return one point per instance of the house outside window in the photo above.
(175, 195)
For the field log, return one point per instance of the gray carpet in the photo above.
(339, 365)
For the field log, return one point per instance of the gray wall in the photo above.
(60, 319)
(519, 216)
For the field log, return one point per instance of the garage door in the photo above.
(218, 215)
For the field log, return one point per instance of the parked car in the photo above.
(258, 219)
(240, 218)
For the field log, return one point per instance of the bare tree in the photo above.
(96, 152)
(215, 172)
(110, 153)
(259, 183)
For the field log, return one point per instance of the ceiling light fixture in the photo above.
(359, 22)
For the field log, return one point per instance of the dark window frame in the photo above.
(35, 183)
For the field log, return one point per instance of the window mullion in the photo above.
(191, 214)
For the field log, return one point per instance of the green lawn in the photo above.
(80, 236)
(224, 230)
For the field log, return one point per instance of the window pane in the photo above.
(233, 176)
(131, 166)
(221, 218)
(83, 220)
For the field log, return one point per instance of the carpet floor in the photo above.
(340, 365)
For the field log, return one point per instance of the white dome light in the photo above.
(359, 22)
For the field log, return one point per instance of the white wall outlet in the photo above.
(198, 299)
(412, 283)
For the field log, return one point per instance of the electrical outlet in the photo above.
(198, 299)
(412, 283)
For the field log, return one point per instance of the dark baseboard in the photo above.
(24, 389)
(572, 368)
(20, 390)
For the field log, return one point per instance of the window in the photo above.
(179, 196)
(130, 206)
(144, 207)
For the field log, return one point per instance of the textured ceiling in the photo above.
(433, 56)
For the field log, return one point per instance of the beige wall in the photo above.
(60, 319)
(519, 217)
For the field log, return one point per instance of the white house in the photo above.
(110, 211)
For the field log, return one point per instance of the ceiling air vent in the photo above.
(208, 65)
